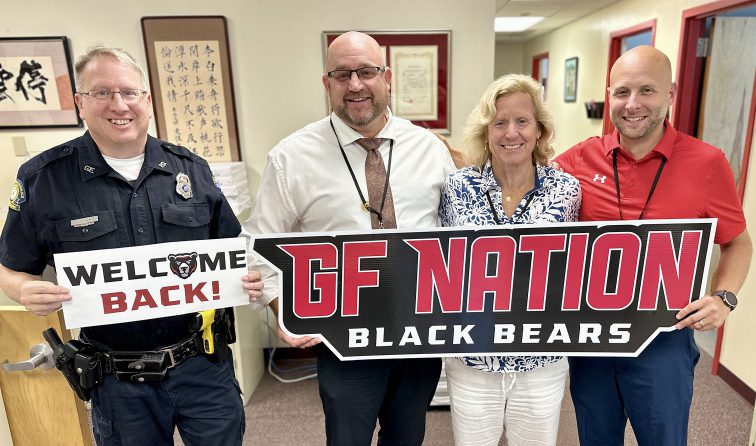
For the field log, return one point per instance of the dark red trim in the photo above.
(535, 68)
(689, 73)
(737, 385)
(748, 141)
(689, 67)
(615, 46)
(688, 100)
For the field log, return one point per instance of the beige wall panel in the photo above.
(509, 59)
(276, 53)
(588, 39)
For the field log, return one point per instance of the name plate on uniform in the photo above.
(110, 286)
(576, 289)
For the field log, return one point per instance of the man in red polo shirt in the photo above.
(648, 170)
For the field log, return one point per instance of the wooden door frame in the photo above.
(688, 100)
(615, 46)
(535, 67)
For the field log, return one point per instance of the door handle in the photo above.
(41, 355)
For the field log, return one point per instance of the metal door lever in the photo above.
(41, 355)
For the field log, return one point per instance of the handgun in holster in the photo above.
(80, 363)
(216, 330)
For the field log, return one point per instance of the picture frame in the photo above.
(570, 79)
(421, 78)
(36, 83)
(189, 66)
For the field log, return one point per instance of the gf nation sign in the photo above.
(579, 289)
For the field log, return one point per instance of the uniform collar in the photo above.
(156, 155)
(93, 165)
(91, 162)
(348, 135)
(488, 180)
(663, 148)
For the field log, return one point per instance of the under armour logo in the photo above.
(89, 169)
(599, 178)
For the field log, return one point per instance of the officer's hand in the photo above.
(42, 297)
(706, 313)
(253, 284)
(303, 342)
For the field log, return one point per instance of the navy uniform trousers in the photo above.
(396, 392)
(653, 390)
(199, 397)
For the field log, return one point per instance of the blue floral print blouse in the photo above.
(555, 198)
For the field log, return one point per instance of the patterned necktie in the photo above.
(375, 174)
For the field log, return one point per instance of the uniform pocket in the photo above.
(87, 232)
(185, 222)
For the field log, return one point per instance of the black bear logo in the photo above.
(183, 265)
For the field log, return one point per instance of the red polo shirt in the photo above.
(696, 182)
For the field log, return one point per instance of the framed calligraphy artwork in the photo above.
(36, 83)
(192, 90)
(420, 77)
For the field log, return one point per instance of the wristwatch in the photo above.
(728, 297)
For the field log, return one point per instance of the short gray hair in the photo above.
(104, 51)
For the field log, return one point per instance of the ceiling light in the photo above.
(514, 24)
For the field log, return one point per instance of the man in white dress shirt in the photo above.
(315, 180)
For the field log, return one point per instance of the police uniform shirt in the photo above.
(72, 182)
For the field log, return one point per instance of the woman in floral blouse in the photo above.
(508, 139)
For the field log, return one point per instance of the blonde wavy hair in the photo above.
(476, 130)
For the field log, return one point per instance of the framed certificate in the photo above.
(419, 62)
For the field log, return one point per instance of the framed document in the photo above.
(192, 90)
(419, 62)
(570, 79)
(36, 83)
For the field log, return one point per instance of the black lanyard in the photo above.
(365, 205)
(650, 193)
(493, 210)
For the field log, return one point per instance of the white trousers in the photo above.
(527, 404)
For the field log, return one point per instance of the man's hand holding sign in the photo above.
(146, 282)
(573, 289)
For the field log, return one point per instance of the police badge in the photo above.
(183, 186)
(17, 196)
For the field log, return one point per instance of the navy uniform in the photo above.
(173, 199)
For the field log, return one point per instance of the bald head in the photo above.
(640, 94)
(352, 45)
(645, 60)
(360, 94)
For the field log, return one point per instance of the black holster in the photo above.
(80, 363)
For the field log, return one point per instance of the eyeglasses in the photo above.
(364, 73)
(129, 95)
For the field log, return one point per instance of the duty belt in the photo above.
(150, 366)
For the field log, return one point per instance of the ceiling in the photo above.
(557, 13)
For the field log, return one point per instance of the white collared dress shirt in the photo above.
(306, 185)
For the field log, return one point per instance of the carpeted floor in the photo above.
(290, 414)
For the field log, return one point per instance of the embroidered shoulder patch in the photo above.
(217, 184)
(17, 196)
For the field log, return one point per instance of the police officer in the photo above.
(113, 187)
